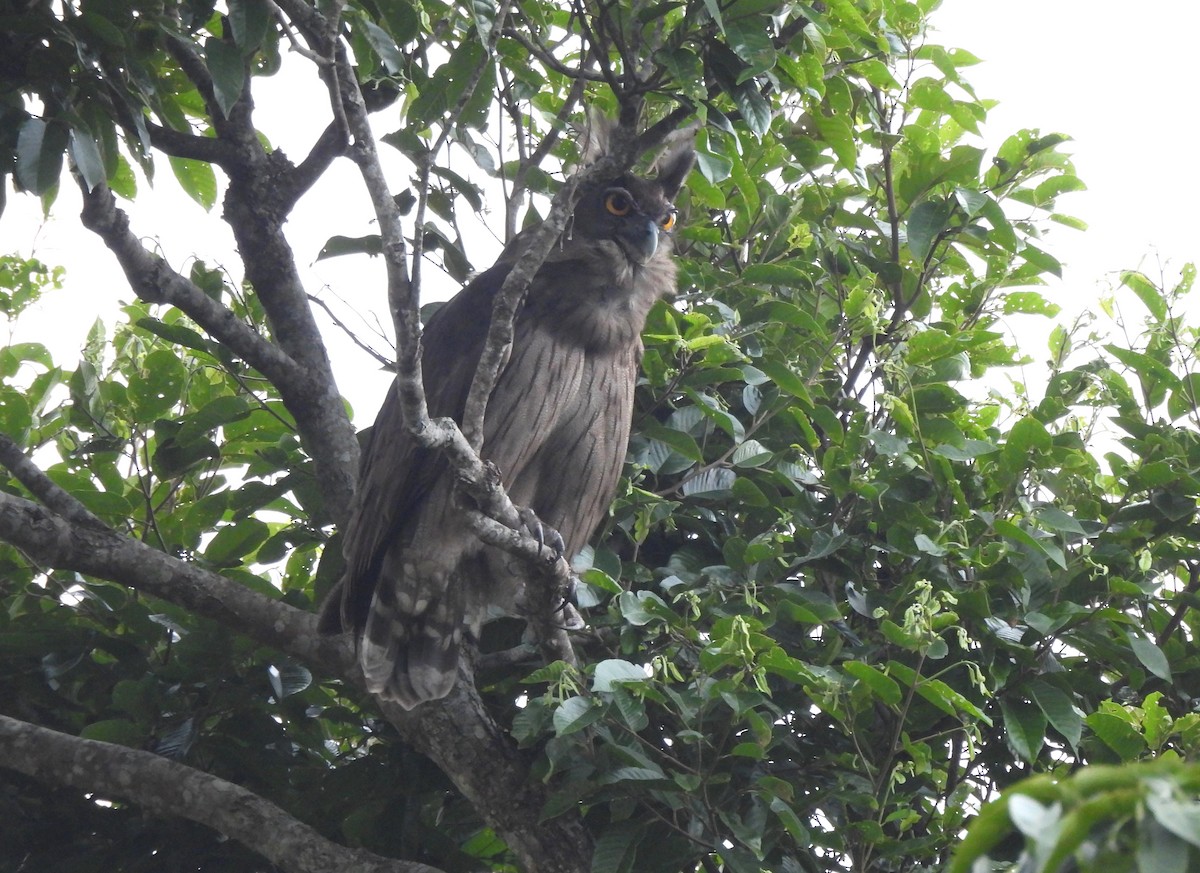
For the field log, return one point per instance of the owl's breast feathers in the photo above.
(556, 425)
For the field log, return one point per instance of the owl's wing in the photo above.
(397, 475)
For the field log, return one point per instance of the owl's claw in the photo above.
(543, 533)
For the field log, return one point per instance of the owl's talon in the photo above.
(543, 533)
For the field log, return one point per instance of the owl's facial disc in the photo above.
(638, 238)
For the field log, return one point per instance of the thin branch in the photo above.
(330, 144)
(508, 301)
(1189, 590)
(164, 787)
(549, 61)
(187, 145)
(383, 360)
(43, 488)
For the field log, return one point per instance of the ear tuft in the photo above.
(674, 166)
(597, 134)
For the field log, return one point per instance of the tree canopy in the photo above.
(860, 577)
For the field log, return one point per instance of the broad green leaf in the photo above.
(614, 670)
(228, 70)
(1117, 733)
(1151, 296)
(158, 385)
(1179, 816)
(1025, 726)
(1151, 656)
(372, 244)
(616, 849)
(926, 222)
(249, 20)
(120, 731)
(235, 541)
(197, 180)
(751, 453)
(1058, 709)
(86, 155)
(40, 148)
(883, 686)
(575, 714)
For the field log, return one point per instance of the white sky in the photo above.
(1119, 79)
(1119, 83)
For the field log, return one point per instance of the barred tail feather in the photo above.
(409, 657)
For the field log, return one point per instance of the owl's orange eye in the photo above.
(667, 221)
(618, 203)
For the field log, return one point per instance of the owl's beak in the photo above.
(639, 240)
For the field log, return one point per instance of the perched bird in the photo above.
(417, 579)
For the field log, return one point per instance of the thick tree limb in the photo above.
(459, 735)
(154, 281)
(165, 787)
(52, 541)
(305, 383)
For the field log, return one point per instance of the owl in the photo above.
(418, 583)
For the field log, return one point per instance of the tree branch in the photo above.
(154, 281)
(305, 383)
(42, 487)
(165, 787)
(459, 734)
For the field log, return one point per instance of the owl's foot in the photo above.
(543, 533)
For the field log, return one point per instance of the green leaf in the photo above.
(1056, 520)
(1058, 709)
(88, 160)
(1150, 655)
(883, 686)
(676, 439)
(616, 849)
(926, 221)
(615, 670)
(159, 384)
(1149, 293)
(235, 541)
(484, 14)
(751, 453)
(372, 245)
(575, 714)
(228, 70)
(1180, 817)
(968, 451)
(839, 135)
(777, 274)
(1117, 733)
(197, 180)
(120, 731)
(714, 167)
(1184, 399)
(249, 20)
(40, 148)
(1025, 726)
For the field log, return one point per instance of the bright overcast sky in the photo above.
(1119, 79)
(1114, 76)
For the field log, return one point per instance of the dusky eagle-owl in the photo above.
(417, 580)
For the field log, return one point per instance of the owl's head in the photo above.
(635, 212)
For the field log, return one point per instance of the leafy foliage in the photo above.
(859, 577)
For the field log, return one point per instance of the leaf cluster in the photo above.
(859, 578)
